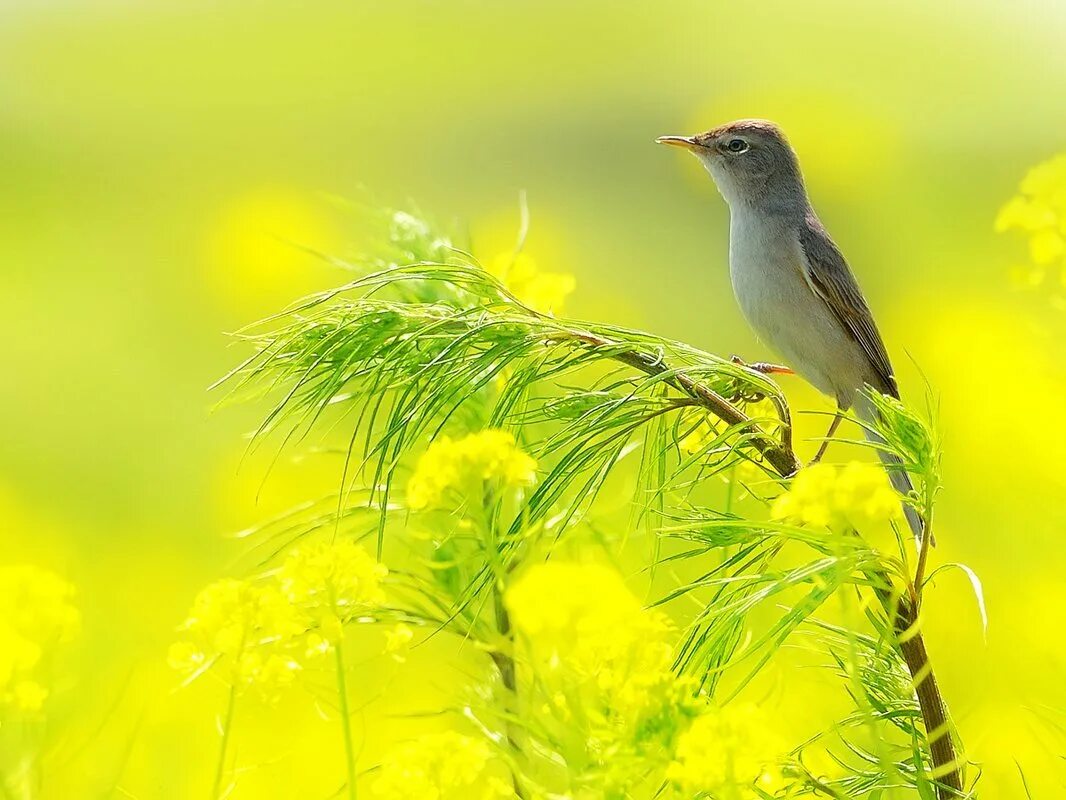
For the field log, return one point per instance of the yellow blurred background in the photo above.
(159, 159)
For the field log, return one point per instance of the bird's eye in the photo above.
(736, 145)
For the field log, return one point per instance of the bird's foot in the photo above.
(762, 366)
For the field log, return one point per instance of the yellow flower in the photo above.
(37, 603)
(560, 605)
(542, 291)
(699, 437)
(36, 615)
(248, 628)
(854, 497)
(186, 657)
(607, 694)
(398, 641)
(254, 248)
(726, 753)
(1046, 246)
(331, 584)
(1039, 210)
(1024, 214)
(442, 766)
(449, 466)
(1046, 183)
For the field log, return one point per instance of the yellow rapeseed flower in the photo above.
(583, 621)
(608, 697)
(726, 753)
(248, 629)
(38, 603)
(398, 641)
(330, 584)
(36, 615)
(442, 766)
(853, 497)
(451, 467)
(542, 291)
(1039, 211)
(699, 437)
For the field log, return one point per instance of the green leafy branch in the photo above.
(406, 352)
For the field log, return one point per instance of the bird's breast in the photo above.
(767, 273)
(767, 278)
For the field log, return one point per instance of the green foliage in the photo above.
(423, 350)
(910, 438)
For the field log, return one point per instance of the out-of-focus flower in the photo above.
(726, 753)
(442, 766)
(582, 619)
(709, 427)
(699, 437)
(255, 247)
(398, 641)
(856, 496)
(37, 603)
(542, 291)
(247, 629)
(18, 657)
(36, 615)
(611, 705)
(488, 458)
(1039, 211)
(331, 583)
(562, 607)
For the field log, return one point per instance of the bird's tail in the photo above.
(868, 413)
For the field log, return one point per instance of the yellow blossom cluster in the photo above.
(36, 615)
(1039, 211)
(453, 468)
(603, 666)
(259, 631)
(329, 584)
(245, 627)
(398, 641)
(540, 290)
(728, 753)
(442, 766)
(852, 497)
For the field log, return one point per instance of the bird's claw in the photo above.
(762, 366)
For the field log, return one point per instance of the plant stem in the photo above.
(923, 555)
(502, 658)
(346, 722)
(227, 726)
(779, 455)
(506, 667)
(946, 770)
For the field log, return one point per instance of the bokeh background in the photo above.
(157, 160)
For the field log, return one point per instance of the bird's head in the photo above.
(751, 162)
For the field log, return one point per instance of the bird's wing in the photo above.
(830, 278)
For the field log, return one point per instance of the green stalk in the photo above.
(504, 660)
(227, 725)
(346, 722)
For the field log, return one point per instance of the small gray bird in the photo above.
(790, 279)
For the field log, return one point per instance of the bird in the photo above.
(791, 281)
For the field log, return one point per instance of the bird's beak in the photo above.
(688, 142)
